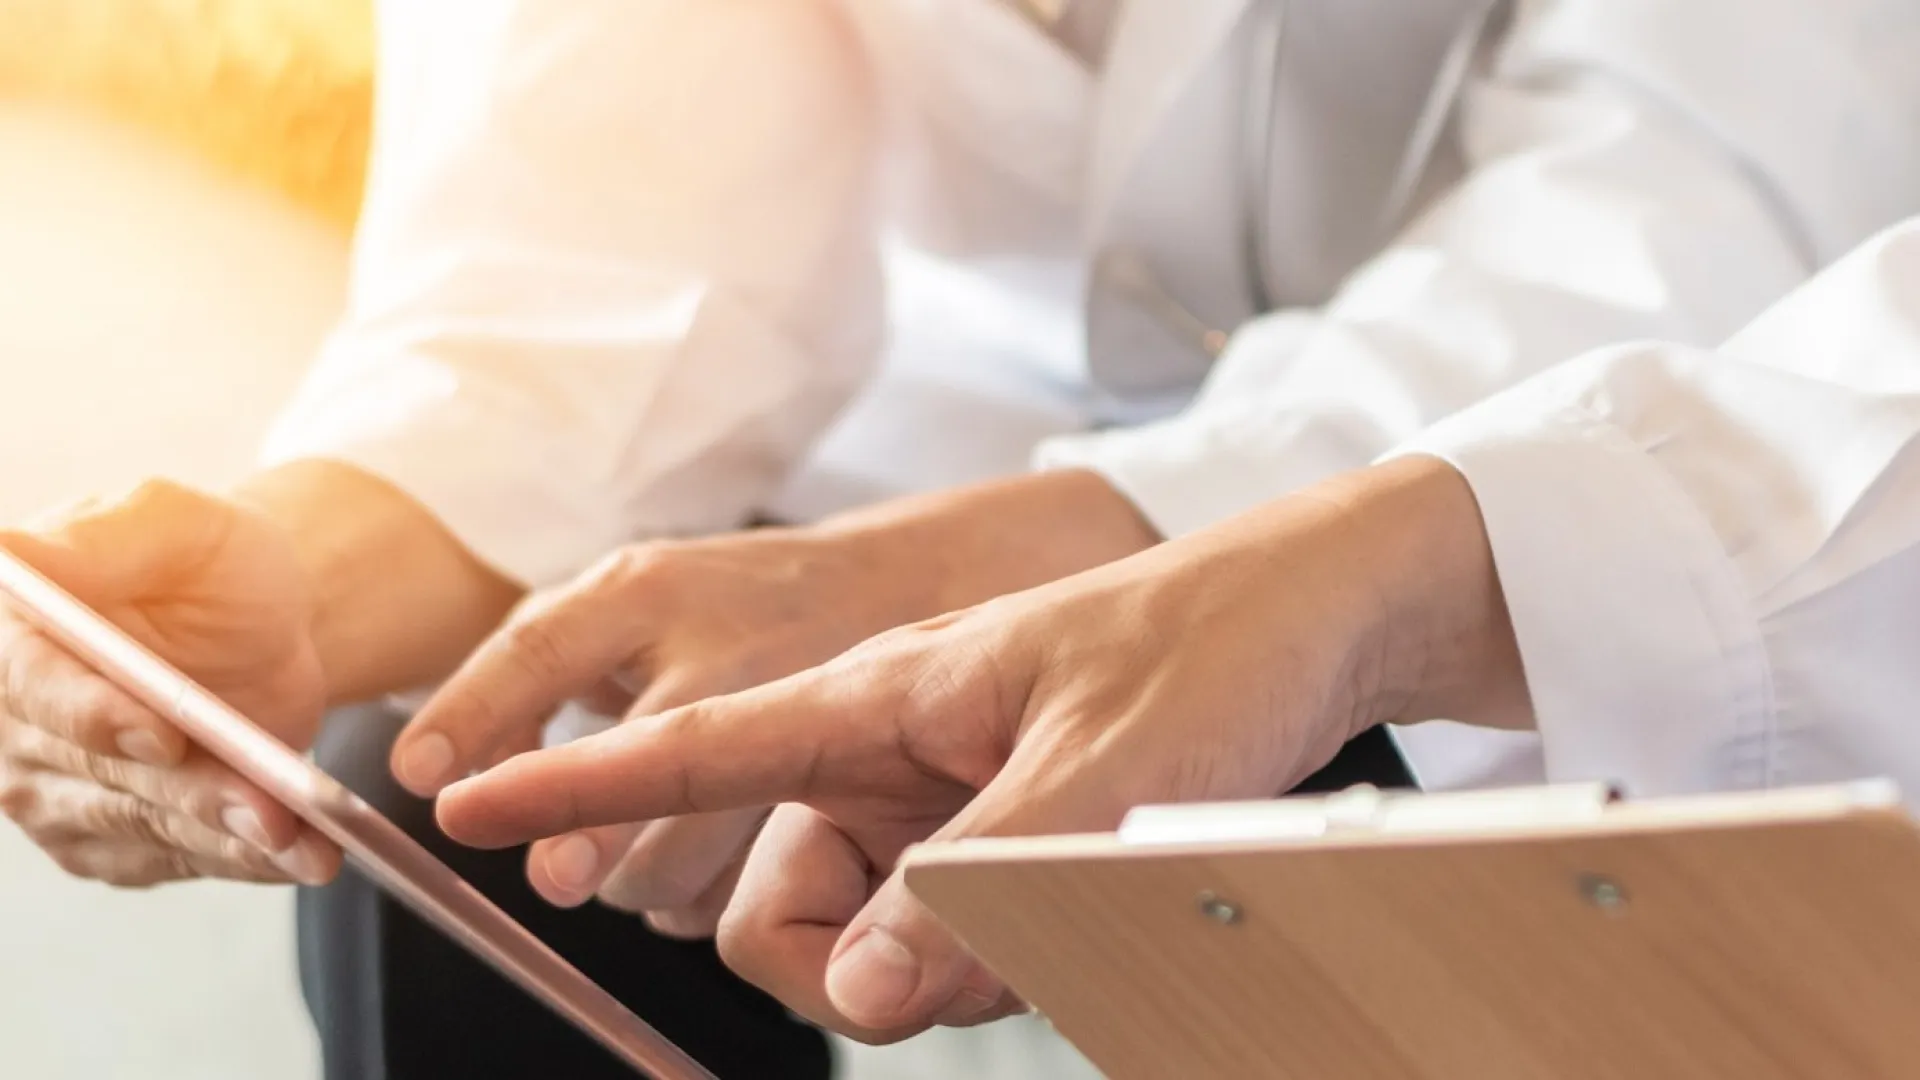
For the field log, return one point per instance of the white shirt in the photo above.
(597, 299)
(604, 291)
(1712, 556)
(1706, 553)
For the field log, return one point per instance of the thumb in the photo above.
(898, 966)
(123, 549)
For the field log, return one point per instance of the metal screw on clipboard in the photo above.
(1218, 910)
(1603, 893)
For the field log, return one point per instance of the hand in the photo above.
(1228, 664)
(652, 627)
(664, 624)
(104, 785)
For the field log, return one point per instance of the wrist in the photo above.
(396, 601)
(1439, 642)
(953, 549)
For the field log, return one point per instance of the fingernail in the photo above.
(874, 980)
(303, 863)
(142, 746)
(572, 862)
(425, 764)
(242, 822)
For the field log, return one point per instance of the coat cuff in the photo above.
(1642, 652)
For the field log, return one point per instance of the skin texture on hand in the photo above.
(104, 785)
(315, 584)
(664, 624)
(398, 602)
(1227, 664)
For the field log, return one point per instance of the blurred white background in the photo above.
(151, 316)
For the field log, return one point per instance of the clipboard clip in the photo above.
(1365, 809)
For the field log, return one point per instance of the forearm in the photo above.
(1442, 633)
(1391, 564)
(398, 601)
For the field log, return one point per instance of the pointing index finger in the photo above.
(513, 683)
(769, 745)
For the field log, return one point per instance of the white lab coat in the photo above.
(1690, 237)
(1712, 556)
(603, 293)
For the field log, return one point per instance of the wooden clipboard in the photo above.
(1553, 934)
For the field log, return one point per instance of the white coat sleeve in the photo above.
(616, 270)
(1712, 557)
(1637, 168)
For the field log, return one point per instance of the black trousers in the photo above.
(393, 999)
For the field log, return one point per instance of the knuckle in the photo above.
(737, 937)
(942, 676)
(202, 802)
(635, 566)
(107, 772)
(876, 672)
(226, 849)
(131, 818)
(159, 494)
(885, 643)
(901, 656)
(967, 677)
(745, 936)
(540, 645)
(82, 712)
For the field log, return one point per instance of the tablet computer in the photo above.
(377, 846)
(1508, 936)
